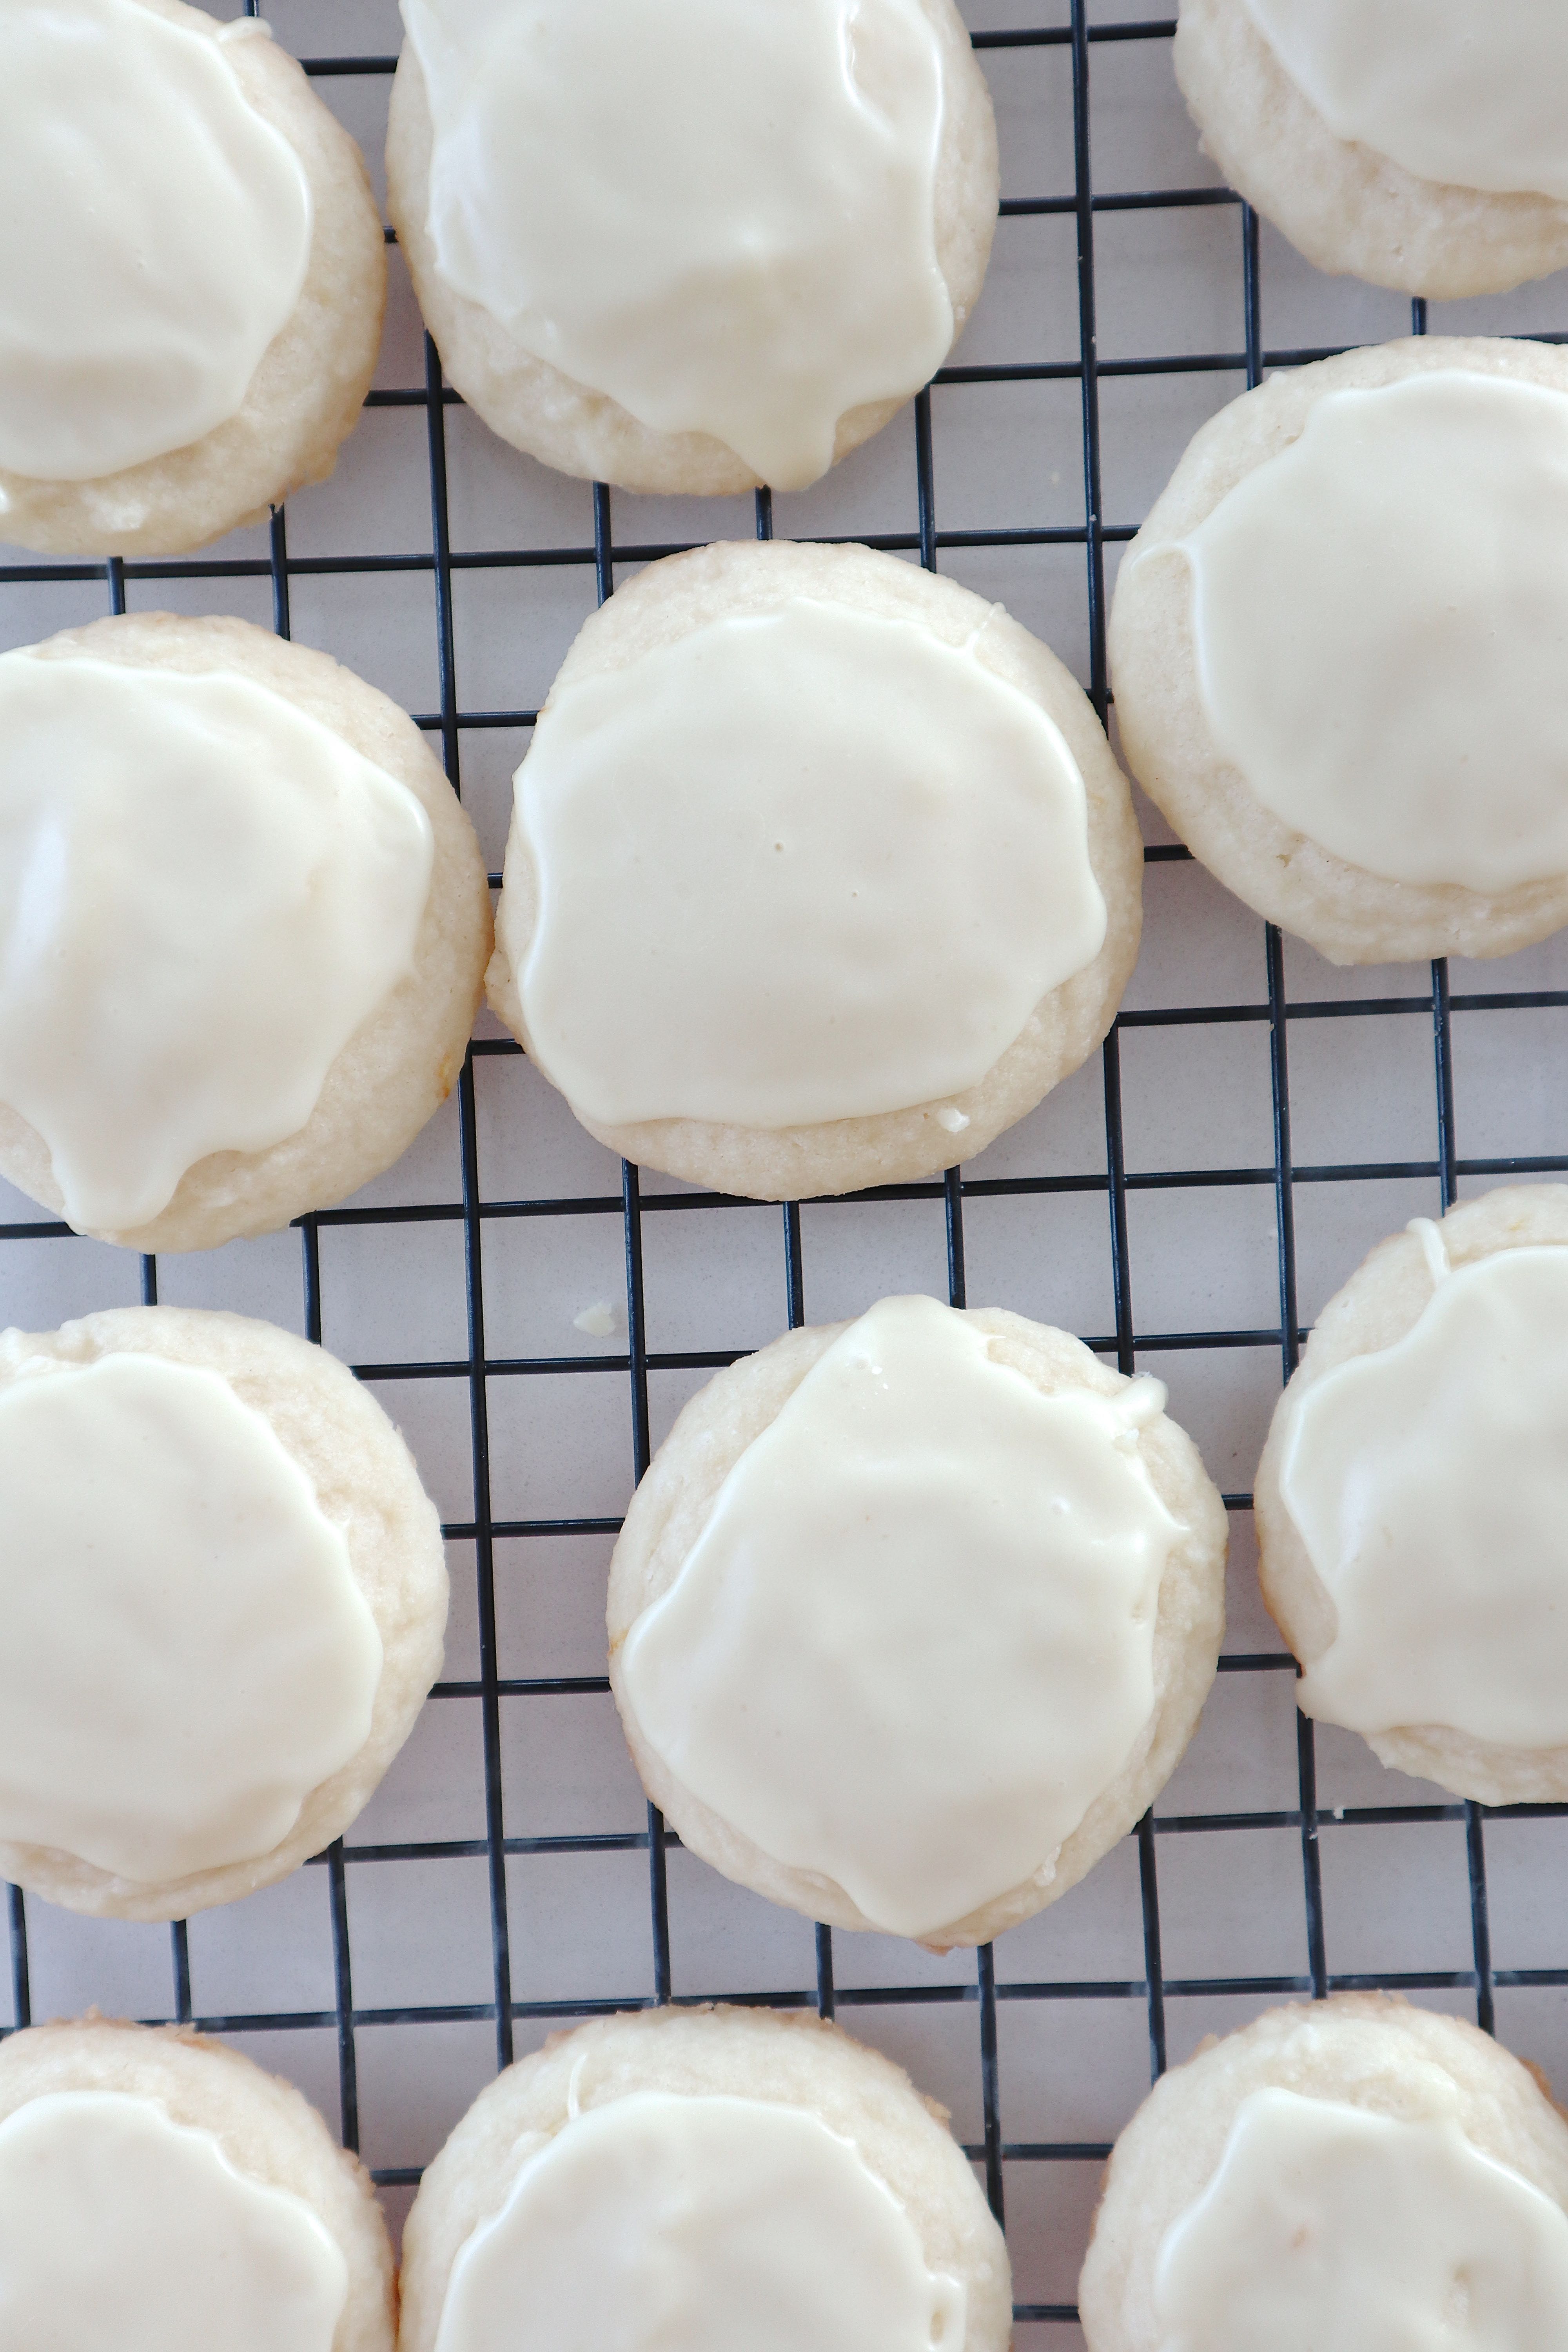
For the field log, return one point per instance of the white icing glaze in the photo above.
(185, 1653)
(1473, 96)
(121, 2227)
(703, 2223)
(1430, 1484)
(1327, 2226)
(809, 865)
(158, 235)
(204, 893)
(1381, 628)
(914, 1640)
(722, 217)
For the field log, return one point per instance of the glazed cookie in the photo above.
(222, 1598)
(247, 923)
(1412, 1497)
(692, 249)
(821, 873)
(189, 325)
(1417, 142)
(1356, 2174)
(1335, 645)
(912, 1617)
(703, 2176)
(157, 2188)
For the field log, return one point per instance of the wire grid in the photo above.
(477, 1213)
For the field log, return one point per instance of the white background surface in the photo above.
(1203, 1257)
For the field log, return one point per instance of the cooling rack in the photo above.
(534, 1313)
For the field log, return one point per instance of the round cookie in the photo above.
(668, 605)
(789, 2061)
(1348, 912)
(365, 1486)
(920, 1659)
(307, 391)
(1371, 2052)
(1379, 1306)
(403, 1060)
(1340, 202)
(531, 404)
(267, 2132)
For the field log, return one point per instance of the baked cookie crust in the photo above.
(1348, 914)
(1379, 1303)
(367, 1486)
(401, 1064)
(1344, 205)
(676, 1499)
(530, 403)
(794, 2060)
(684, 593)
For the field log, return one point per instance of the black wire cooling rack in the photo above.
(1013, 2167)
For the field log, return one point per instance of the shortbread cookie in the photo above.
(1416, 142)
(692, 249)
(912, 1617)
(252, 977)
(1413, 1501)
(1335, 645)
(189, 319)
(1356, 2174)
(157, 2188)
(700, 2177)
(821, 873)
(222, 1598)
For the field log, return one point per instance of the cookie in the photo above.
(189, 327)
(1412, 1497)
(156, 2187)
(703, 2176)
(222, 1599)
(912, 1617)
(251, 976)
(1417, 146)
(821, 873)
(1334, 650)
(1358, 2173)
(694, 249)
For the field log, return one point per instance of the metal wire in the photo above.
(478, 1210)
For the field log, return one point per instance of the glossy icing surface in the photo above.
(1429, 1483)
(1328, 2225)
(809, 865)
(185, 1653)
(1473, 97)
(722, 217)
(1380, 626)
(204, 892)
(656, 2221)
(159, 233)
(121, 2227)
(914, 1640)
